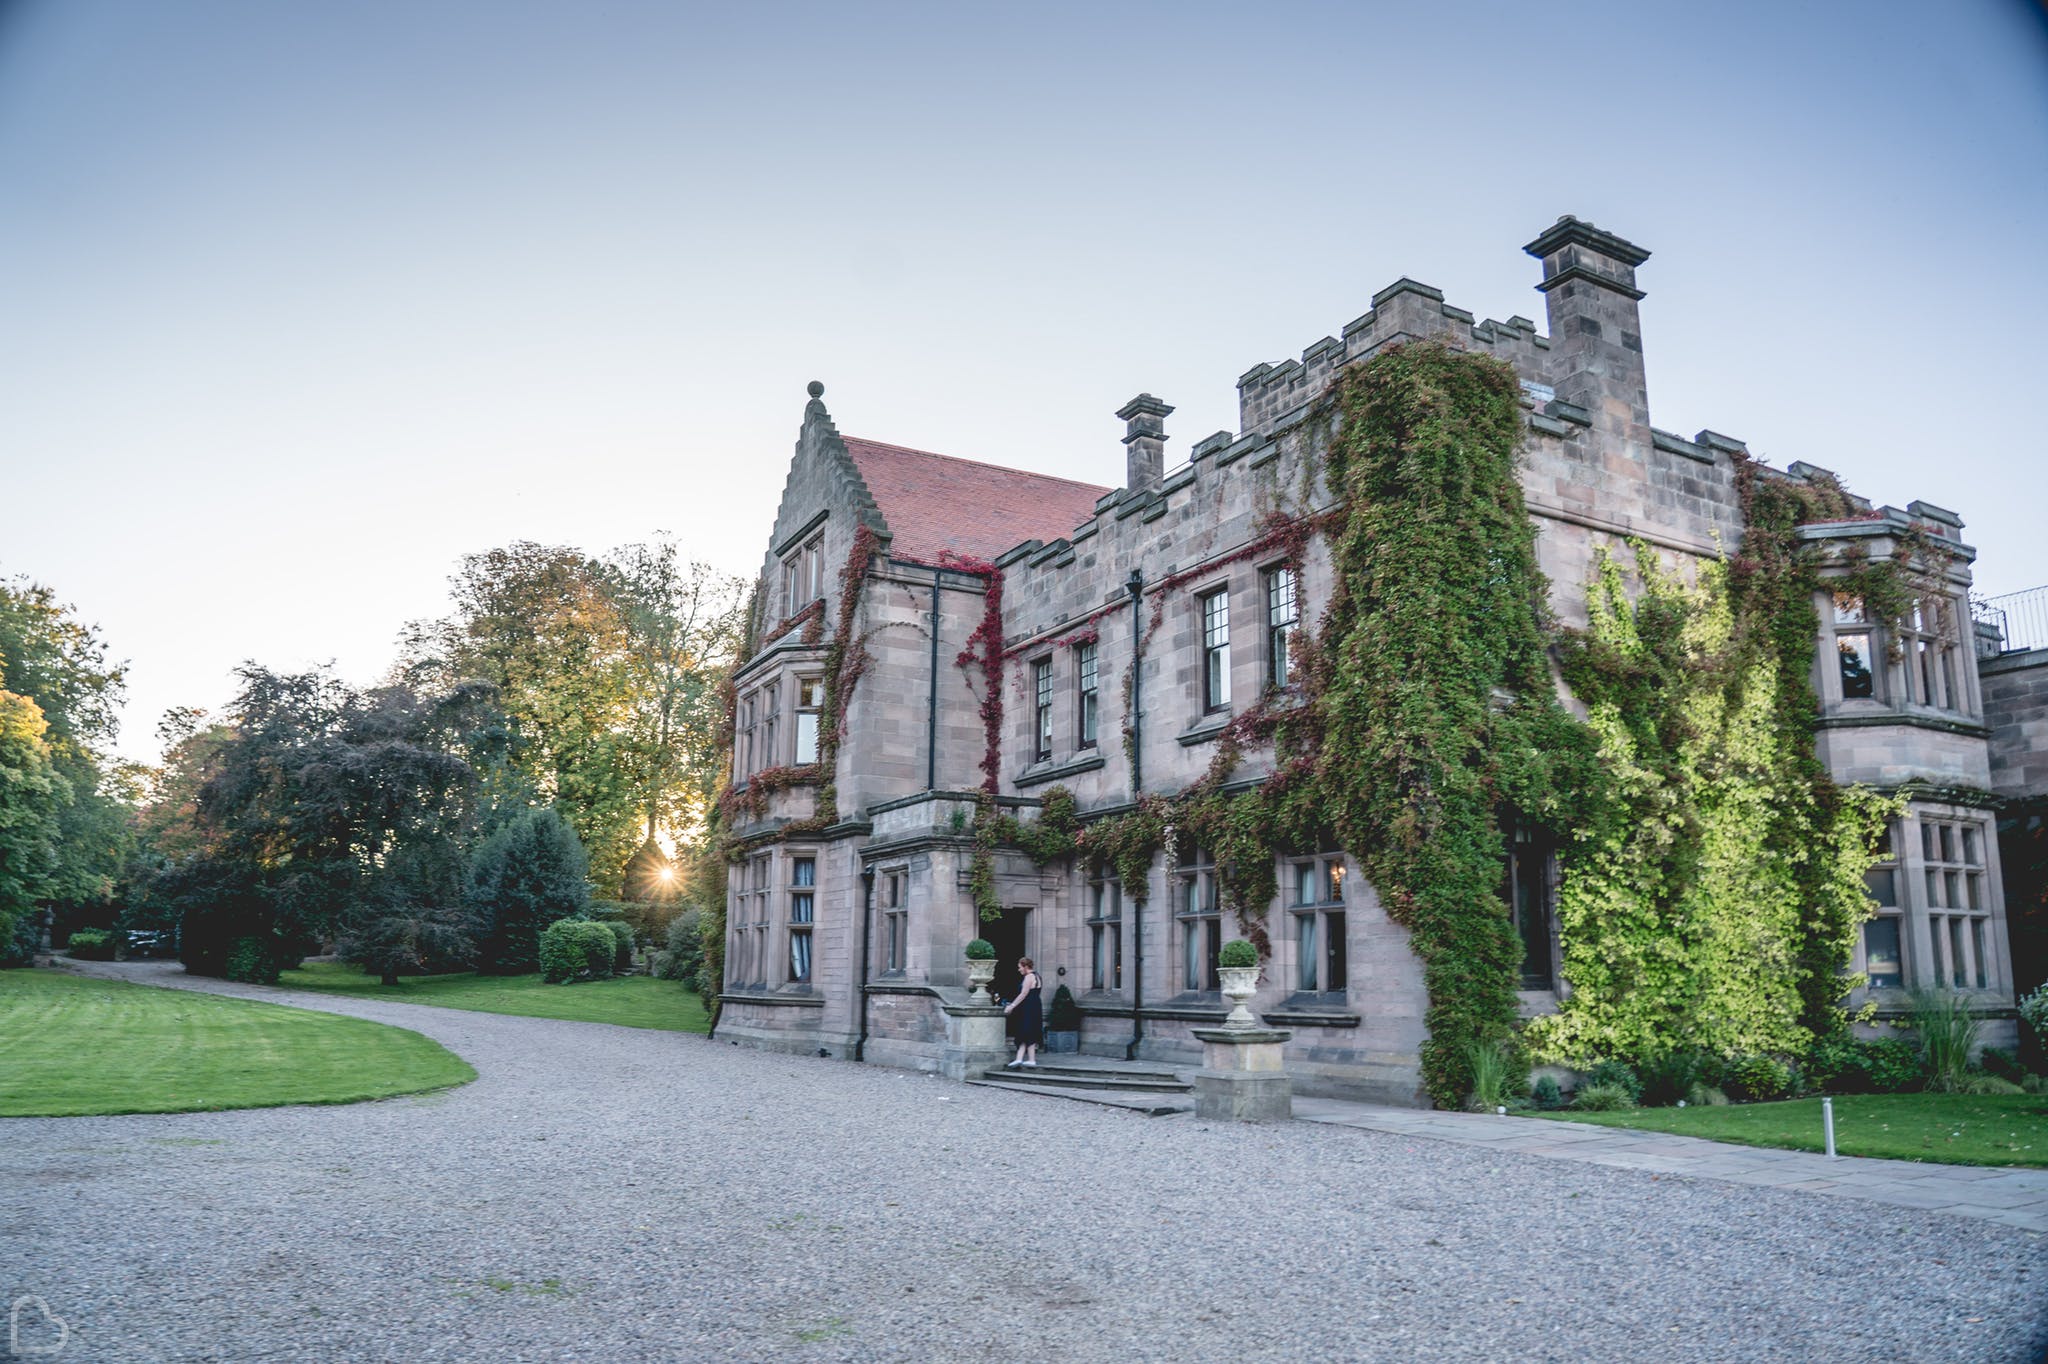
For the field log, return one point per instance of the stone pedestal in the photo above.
(975, 1041)
(1243, 1078)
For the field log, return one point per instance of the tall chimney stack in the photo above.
(1144, 442)
(1596, 331)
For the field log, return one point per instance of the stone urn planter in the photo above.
(1237, 967)
(1240, 983)
(981, 969)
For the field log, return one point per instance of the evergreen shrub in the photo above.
(683, 958)
(91, 944)
(576, 949)
(1753, 1078)
(1618, 1074)
(1545, 1094)
(531, 871)
(981, 949)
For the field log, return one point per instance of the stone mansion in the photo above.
(849, 900)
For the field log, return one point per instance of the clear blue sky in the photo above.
(299, 302)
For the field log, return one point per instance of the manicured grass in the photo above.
(70, 1045)
(1948, 1129)
(631, 1001)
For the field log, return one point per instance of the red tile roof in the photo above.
(935, 503)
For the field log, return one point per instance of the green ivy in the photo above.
(1439, 711)
(1712, 894)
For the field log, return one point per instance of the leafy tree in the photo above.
(32, 798)
(543, 625)
(683, 627)
(313, 808)
(527, 874)
(57, 661)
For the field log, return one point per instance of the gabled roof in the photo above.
(935, 503)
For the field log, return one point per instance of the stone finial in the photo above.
(1144, 441)
(815, 389)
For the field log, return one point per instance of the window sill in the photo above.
(1208, 727)
(1040, 773)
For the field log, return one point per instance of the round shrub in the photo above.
(1602, 1098)
(981, 949)
(1619, 1074)
(1545, 1094)
(91, 944)
(1756, 1077)
(1237, 952)
(576, 949)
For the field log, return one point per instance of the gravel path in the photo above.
(602, 1193)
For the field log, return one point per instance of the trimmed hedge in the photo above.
(576, 949)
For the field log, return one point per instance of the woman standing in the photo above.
(1030, 1020)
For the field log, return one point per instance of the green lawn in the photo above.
(632, 1001)
(1950, 1129)
(71, 1045)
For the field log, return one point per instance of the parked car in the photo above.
(149, 942)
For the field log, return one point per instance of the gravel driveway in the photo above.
(603, 1193)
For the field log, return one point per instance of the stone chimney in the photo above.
(1144, 442)
(1596, 332)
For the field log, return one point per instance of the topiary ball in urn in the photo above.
(981, 969)
(1237, 967)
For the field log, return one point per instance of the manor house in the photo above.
(849, 902)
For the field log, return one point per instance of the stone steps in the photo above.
(1150, 1103)
(1068, 1075)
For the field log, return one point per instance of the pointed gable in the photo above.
(936, 504)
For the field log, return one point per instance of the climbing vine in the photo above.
(1712, 872)
(1713, 888)
(846, 659)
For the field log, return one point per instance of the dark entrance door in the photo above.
(1006, 935)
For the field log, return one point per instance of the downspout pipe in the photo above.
(867, 919)
(1135, 585)
(931, 722)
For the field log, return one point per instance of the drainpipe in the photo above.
(931, 723)
(867, 919)
(1135, 585)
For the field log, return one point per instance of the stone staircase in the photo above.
(1136, 1086)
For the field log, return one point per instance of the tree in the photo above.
(683, 626)
(415, 920)
(58, 662)
(32, 799)
(316, 807)
(528, 873)
(543, 625)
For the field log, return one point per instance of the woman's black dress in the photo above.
(1030, 1018)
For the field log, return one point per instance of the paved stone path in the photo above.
(2014, 1198)
(603, 1193)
